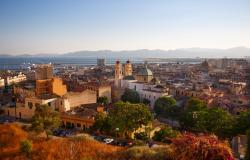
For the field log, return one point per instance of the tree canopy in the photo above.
(102, 100)
(242, 123)
(164, 133)
(197, 117)
(45, 119)
(165, 106)
(131, 96)
(129, 117)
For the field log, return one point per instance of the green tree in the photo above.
(242, 123)
(247, 156)
(194, 110)
(146, 101)
(164, 133)
(102, 123)
(219, 122)
(131, 96)
(129, 117)
(165, 106)
(201, 119)
(45, 119)
(102, 100)
(26, 147)
(195, 104)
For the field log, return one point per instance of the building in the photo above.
(239, 146)
(118, 74)
(51, 86)
(149, 91)
(25, 107)
(101, 89)
(144, 75)
(101, 62)
(81, 117)
(2, 84)
(128, 68)
(10, 80)
(75, 99)
(44, 71)
(247, 73)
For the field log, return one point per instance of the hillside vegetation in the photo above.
(83, 148)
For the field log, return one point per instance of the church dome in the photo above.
(145, 72)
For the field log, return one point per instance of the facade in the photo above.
(118, 74)
(51, 86)
(44, 71)
(101, 89)
(239, 145)
(75, 99)
(27, 109)
(1, 83)
(144, 75)
(149, 91)
(128, 69)
(15, 79)
(81, 118)
(101, 62)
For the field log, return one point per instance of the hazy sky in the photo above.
(57, 26)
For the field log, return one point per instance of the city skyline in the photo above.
(29, 27)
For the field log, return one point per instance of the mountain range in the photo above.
(237, 52)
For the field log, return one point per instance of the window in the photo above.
(49, 104)
(37, 104)
(78, 125)
(30, 105)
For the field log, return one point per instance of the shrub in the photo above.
(146, 153)
(26, 147)
(190, 146)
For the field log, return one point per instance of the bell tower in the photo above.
(128, 69)
(118, 74)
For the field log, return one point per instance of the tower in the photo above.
(118, 74)
(128, 69)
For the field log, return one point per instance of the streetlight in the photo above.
(117, 130)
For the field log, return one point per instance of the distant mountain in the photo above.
(237, 52)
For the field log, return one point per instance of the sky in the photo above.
(60, 26)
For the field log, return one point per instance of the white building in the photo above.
(15, 79)
(149, 91)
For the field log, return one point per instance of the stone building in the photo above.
(44, 71)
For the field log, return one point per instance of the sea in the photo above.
(15, 63)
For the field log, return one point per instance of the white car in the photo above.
(108, 140)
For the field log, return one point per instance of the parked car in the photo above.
(108, 140)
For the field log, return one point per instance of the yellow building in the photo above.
(118, 74)
(51, 86)
(128, 69)
(81, 117)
